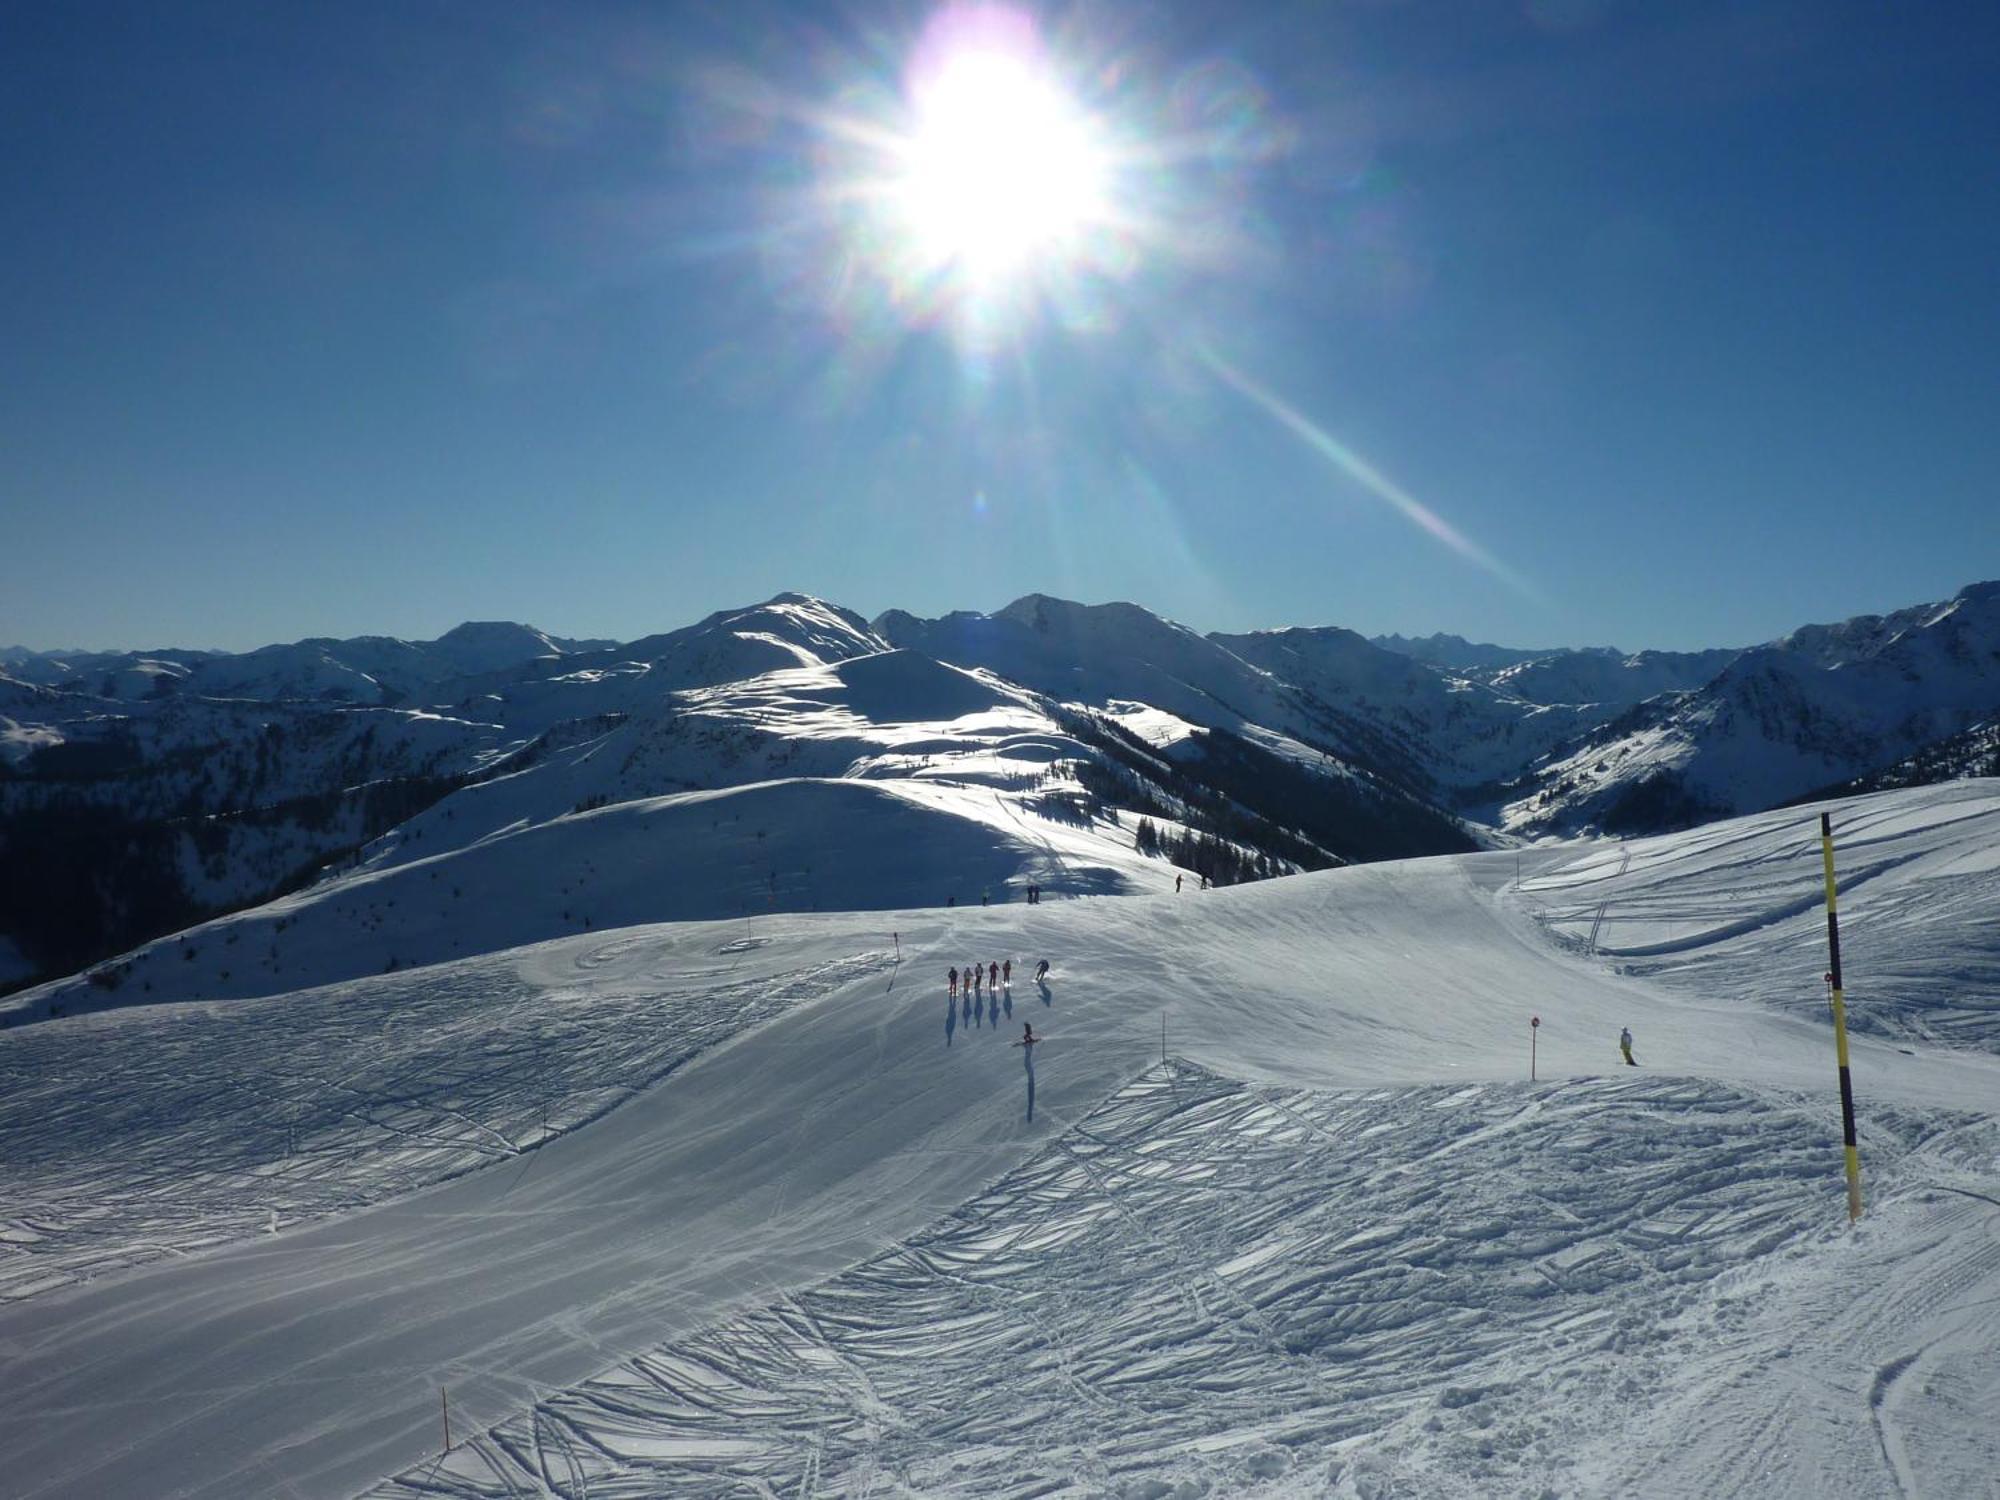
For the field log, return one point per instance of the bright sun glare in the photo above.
(1001, 169)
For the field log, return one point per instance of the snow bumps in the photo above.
(1219, 1286)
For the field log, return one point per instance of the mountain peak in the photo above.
(491, 645)
(490, 630)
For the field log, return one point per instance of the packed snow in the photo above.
(1273, 1208)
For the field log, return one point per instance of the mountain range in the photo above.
(1081, 748)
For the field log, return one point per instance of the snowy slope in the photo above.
(797, 845)
(825, 1233)
(1735, 911)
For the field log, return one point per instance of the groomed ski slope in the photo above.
(805, 1237)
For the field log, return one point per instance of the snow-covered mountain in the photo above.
(1596, 675)
(1463, 732)
(143, 792)
(1456, 654)
(1607, 679)
(1813, 709)
(712, 801)
(360, 670)
(1128, 660)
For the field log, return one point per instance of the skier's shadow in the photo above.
(1007, 997)
(1047, 999)
(1028, 1062)
(950, 1020)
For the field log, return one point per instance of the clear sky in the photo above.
(1547, 322)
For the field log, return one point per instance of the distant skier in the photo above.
(1041, 971)
(1177, 885)
(993, 976)
(1625, 1046)
(1028, 1037)
(954, 979)
(1007, 971)
(975, 979)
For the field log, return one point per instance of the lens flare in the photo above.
(1357, 468)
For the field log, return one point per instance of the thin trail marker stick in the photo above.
(445, 1407)
(1839, 999)
(1534, 1035)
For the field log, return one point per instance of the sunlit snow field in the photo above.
(752, 1208)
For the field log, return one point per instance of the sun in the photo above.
(1004, 179)
(1001, 171)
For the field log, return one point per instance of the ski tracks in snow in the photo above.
(214, 1123)
(1209, 1287)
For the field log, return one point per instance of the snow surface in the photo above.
(1736, 911)
(795, 1224)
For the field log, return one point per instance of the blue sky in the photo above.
(1549, 323)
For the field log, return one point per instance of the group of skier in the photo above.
(975, 980)
(994, 976)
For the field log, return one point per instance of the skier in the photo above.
(993, 976)
(976, 976)
(954, 979)
(1177, 885)
(1625, 1046)
(1007, 971)
(1041, 971)
(1028, 1037)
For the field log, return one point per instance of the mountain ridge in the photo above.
(146, 791)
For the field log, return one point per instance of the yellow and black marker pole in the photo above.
(1840, 1023)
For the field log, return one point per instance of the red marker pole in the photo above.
(1534, 1034)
